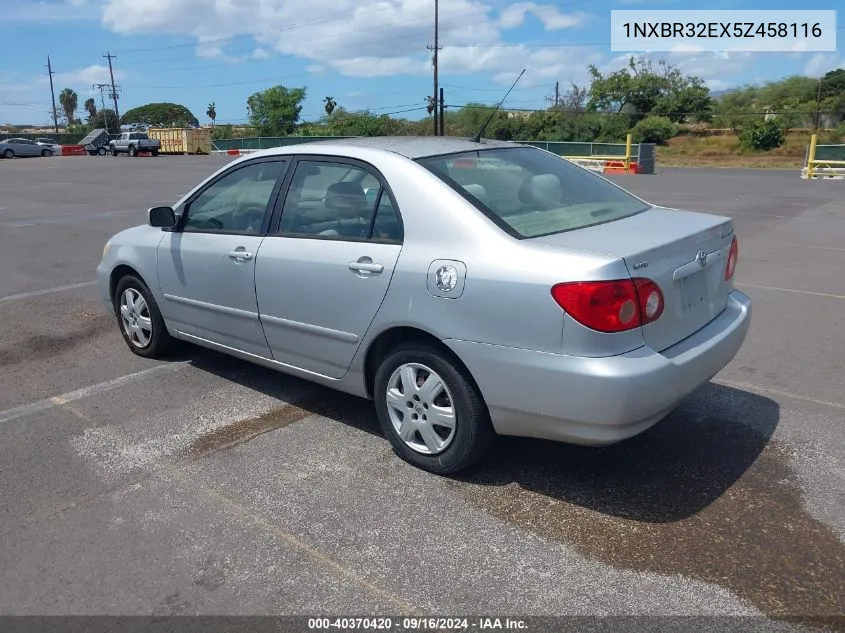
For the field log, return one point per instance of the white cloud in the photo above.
(820, 63)
(85, 77)
(260, 53)
(359, 38)
(551, 17)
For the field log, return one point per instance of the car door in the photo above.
(324, 270)
(28, 148)
(206, 265)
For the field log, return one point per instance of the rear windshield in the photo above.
(530, 193)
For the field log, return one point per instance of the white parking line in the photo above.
(800, 292)
(85, 392)
(46, 291)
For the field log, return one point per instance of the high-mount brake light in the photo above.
(611, 306)
(730, 267)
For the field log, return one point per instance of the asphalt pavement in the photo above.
(206, 485)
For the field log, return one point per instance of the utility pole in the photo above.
(53, 94)
(557, 93)
(436, 48)
(818, 107)
(102, 87)
(442, 110)
(113, 95)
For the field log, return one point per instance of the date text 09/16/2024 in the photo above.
(415, 624)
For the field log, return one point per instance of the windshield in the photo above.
(529, 192)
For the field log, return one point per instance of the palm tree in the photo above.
(330, 105)
(211, 112)
(91, 108)
(69, 101)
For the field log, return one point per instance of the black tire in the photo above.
(46, 153)
(114, 152)
(132, 151)
(473, 433)
(101, 151)
(154, 152)
(9, 153)
(160, 342)
(92, 152)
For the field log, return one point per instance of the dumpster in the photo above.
(178, 140)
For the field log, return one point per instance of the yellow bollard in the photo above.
(811, 156)
(628, 141)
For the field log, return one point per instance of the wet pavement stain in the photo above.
(705, 494)
(245, 430)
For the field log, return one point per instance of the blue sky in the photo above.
(365, 53)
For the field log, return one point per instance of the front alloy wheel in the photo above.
(139, 319)
(135, 315)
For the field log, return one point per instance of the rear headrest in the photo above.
(543, 190)
(477, 191)
(345, 195)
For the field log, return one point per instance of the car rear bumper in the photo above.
(598, 401)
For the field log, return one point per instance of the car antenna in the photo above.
(477, 137)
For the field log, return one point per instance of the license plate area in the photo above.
(693, 292)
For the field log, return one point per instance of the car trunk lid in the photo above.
(683, 252)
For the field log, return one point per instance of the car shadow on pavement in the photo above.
(668, 473)
(706, 494)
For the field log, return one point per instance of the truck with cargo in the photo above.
(176, 140)
(134, 143)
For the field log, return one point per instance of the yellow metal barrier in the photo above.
(821, 168)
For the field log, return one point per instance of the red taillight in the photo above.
(611, 306)
(732, 257)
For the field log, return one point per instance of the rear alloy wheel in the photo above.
(46, 153)
(430, 411)
(132, 151)
(139, 319)
(9, 153)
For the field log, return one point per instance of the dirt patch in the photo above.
(703, 496)
(87, 325)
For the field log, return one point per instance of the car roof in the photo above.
(412, 147)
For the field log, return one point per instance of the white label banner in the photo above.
(774, 31)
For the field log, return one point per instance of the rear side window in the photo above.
(530, 193)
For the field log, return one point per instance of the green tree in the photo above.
(159, 115)
(762, 135)
(275, 111)
(211, 113)
(640, 89)
(654, 129)
(69, 102)
(106, 120)
(833, 83)
(329, 104)
(90, 107)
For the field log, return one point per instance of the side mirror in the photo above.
(163, 217)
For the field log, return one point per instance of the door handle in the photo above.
(365, 267)
(240, 256)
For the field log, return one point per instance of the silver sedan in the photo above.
(23, 147)
(468, 288)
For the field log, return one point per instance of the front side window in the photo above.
(530, 193)
(237, 202)
(331, 199)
